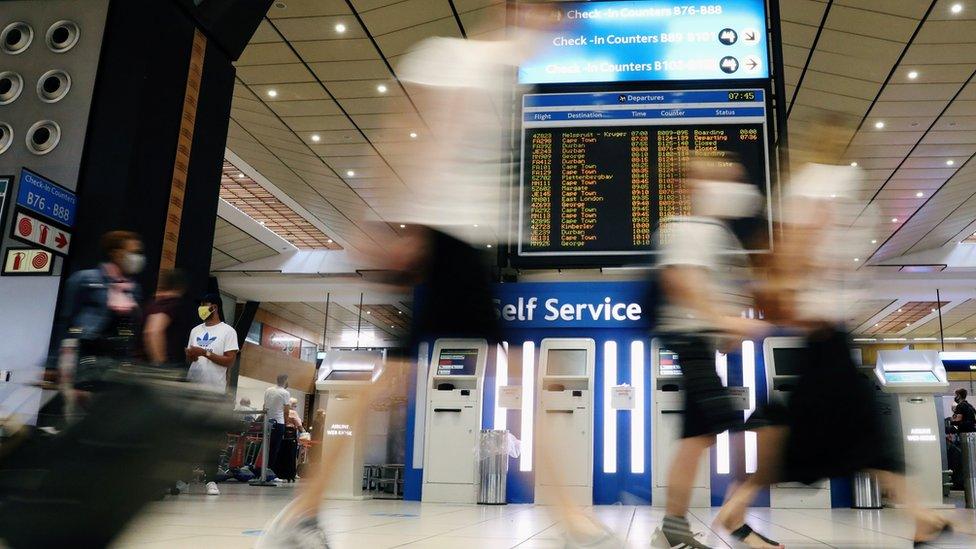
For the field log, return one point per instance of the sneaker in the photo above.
(212, 489)
(675, 533)
(304, 534)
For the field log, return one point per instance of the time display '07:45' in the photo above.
(742, 96)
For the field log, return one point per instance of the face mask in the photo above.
(204, 312)
(133, 263)
(725, 200)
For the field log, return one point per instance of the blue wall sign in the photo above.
(572, 305)
(652, 40)
(45, 197)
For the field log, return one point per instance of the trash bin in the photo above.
(493, 451)
(968, 441)
(867, 491)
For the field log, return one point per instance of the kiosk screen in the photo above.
(349, 375)
(566, 362)
(788, 361)
(667, 363)
(911, 377)
(457, 362)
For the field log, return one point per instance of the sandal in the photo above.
(744, 531)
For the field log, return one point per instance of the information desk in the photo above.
(913, 378)
(453, 420)
(784, 360)
(666, 428)
(344, 380)
(564, 425)
(601, 170)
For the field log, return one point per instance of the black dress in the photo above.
(455, 298)
(837, 424)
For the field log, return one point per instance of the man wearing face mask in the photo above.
(702, 274)
(964, 415)
(101, 307)
(211, 350)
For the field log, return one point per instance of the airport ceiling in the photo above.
(319, 113)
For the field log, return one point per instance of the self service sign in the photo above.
(572, 304)
(652, 40)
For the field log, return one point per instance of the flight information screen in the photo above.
(457, 362)
(600, 171)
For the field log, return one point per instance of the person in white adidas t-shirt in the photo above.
(212, 350)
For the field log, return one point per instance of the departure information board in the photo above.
(600, 171)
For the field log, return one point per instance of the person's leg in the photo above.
(274, 443)
(732, 515)
(681, 475)
(928, 523)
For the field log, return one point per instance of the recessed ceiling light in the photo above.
(876, 324)
(316, 137)
(413, 135)
(833, 196)
(399, 312)
(919, 194)
(874, 241)
(894, 220)
(950, 162)
(912, 75)
(879, 124)
(340, 28)
(280, 5)
(489, 245)
(350, 173)
(853, 164)
(260, 222)
(899, 310)
(856, 259)
(329, 241)
(381, 88)
(402, 226)
(369, 312)
(272, 93)
(933, 310)
(475, 225)
(908, 324)
(956, 8)
(239, 175)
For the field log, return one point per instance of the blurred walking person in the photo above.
(168, 322)
(102, 310)
(703, 274)
(832, 425)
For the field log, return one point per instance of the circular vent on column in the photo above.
(62, 36)
(16, 37)
(11, 84)
(43, 137)
(52, 86)
(6, 137)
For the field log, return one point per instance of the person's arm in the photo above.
(687, 286)
(154, 336)
(226, 360)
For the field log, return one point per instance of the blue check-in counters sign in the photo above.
(572, 305)
(44, 197)
(620, 41)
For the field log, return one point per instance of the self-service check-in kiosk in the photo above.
(668, 407)
(784, 358)
(343, 379)
(565, 420)
(914, 377)
(453, 421)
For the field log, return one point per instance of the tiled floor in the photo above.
(235, 519)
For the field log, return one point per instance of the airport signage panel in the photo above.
(645, 40)
(572, 304)
(45, 197)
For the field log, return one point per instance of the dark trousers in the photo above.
(274, 442)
